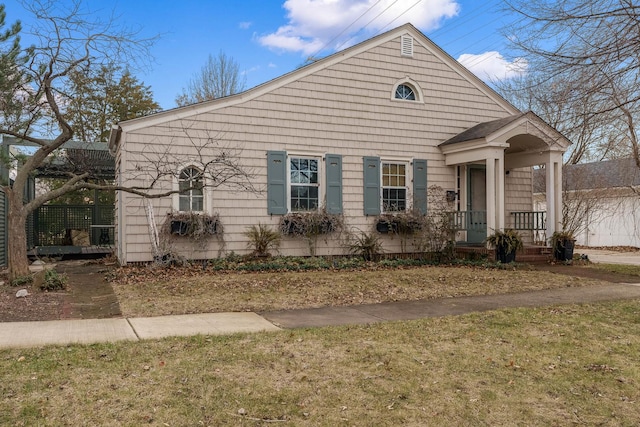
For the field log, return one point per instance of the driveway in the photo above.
(606, 256)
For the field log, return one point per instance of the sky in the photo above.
(268, 38)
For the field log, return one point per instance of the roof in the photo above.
(482, 130)
(78, 157)
(616, 173)
(207, 106)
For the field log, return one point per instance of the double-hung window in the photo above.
(191, 196)
(394, 187)
(304, 183)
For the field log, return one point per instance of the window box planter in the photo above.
(400, 223)
(179, 227)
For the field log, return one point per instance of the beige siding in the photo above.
(346, 108)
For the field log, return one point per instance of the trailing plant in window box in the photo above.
(310, 225)
(403, 222)
(197, 226)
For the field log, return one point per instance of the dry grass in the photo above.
(145, 292)
(564, 365)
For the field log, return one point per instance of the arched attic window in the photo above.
(190, 184)
(407, 90)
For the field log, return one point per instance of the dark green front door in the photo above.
(477, 204)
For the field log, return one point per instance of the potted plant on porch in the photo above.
(563, 243)
(506, 242)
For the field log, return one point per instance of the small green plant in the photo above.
(22, 281)
(507, 239)
(563, 243)
(506, 243)
(54, 281)
(262, 239)
(366, 245)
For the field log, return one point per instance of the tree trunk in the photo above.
(17, 245)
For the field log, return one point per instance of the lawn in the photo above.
(562, 365)
(148, 292)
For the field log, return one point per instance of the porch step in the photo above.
(529, 254)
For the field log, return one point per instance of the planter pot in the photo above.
(383, 227)
(504, 256)
(181, 228)
(563, 251)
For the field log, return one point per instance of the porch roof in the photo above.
(482, 130)
(524, 139)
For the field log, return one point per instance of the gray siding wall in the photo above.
(345, 109)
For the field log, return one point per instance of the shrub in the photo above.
(262, 239)
(54, 281)
(366, 245)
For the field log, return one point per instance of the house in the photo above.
(601, 203)
(361, 132)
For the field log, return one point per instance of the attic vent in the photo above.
(406, 45)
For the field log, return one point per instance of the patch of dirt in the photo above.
(88, 296)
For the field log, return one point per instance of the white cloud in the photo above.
(245, 25)
(492, 66)
(312, 24)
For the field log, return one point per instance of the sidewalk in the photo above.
(87, 331)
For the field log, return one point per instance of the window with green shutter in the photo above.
(420, 185)
(276, 182)
(371, 177)
(333, 168)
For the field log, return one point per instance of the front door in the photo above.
(477, 204)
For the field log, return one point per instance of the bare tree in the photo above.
(219, 77)
(586, 70)
(68, 40)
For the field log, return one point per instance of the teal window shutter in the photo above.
(276, 182)
(333, 163)
(372, 185)
(420, 185)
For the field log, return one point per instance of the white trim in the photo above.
(321, 185)
(408, 178)
(417, 91)
(207, 192)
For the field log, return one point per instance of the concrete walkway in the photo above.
(89, 331)
(63, 332)
(611, 257)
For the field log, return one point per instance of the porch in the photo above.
(493, 163)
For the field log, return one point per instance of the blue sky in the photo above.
(268, 38)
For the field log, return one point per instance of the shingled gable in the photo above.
(487, 129)
(212, 105)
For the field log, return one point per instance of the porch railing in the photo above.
(477, 220)
(469, 220)
(535, 220)
(53, 222)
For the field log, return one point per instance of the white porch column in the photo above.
(491, 196)
(554, 193)
(495, 192)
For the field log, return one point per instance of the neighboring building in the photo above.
(602, 201)
(367, 128)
